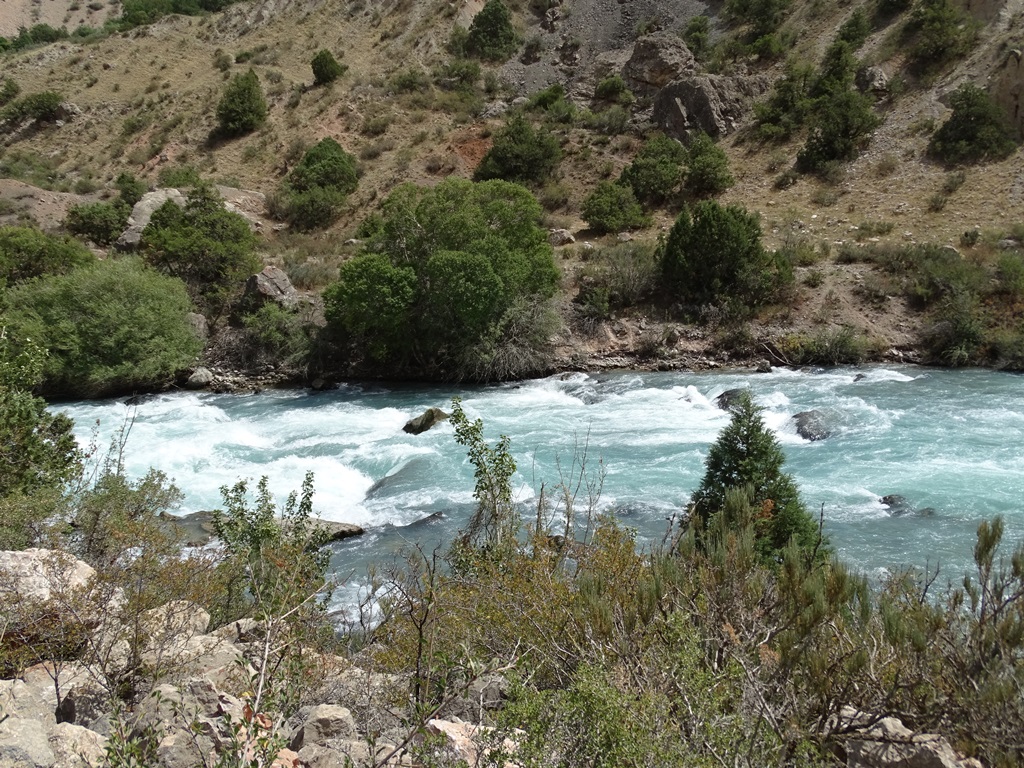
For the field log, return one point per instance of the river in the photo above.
(949, 440)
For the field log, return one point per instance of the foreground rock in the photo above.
(656, 61)
(887, 743)
(429, 418)
(729, 399)
(812, 425)
(714, 104)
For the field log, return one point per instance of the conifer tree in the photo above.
(242, 108)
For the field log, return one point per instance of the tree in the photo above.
(520, 152)
(612, 207)
(714, 255)
(242, 108)
(102, 223)
(657, 170)
(26, 252)
(326, 68)
(491, 34)
(208, 247)
(707, 170)
(747, 456)
(316, 188)
(977, 129)
(845, 120)
(116, 326)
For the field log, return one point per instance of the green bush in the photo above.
(8, 91)
(26, 252)
(521, 153)
(656, 172)
(208, 247)
(102, 223)
(977, 130)
(697, 35)
(179, 176)
(130, 188)
(707, 170)
(763, 16)
(713, 255)
(844, 121)
(242, 109)
(612, 207)
(113, 327)
(326, 68)
(611, 121)
(410, 81)
(445, 278)
(44, 106)
(314, 193)
(491, 34)
(613, 88)
(842, 346)
(458, 74)
(789, 105)
(855, 30)
(938, 32)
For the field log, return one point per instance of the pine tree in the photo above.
(747, 455)
(491, 34)
(242, 109)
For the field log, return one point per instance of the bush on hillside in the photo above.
(855, 30)
(242, 109)
(315, 191)
(26, 252)
(844, 123)
(210, 248)
(326, 68)
(44, 106)
(697, 35)
(713, 255)
(8, 91)
(763, 16)
(939, 32)
(102, 223)
(977, 130)
(521, 153)
(707, 171)
(452, 281)
(611, 207)
(116, 326)
(130, 188)
(491, 34)
(656, 171)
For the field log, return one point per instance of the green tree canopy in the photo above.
(657, 170)
(210, 248)
(707, 171)
(26, 252)
(491, 34)
(714, 255)
(326, 68)
(242, 109)
(977, 129)
(520, 152)
(116, 326)
(612, 207)
(326, 164)
(443, 269)
(747, 455)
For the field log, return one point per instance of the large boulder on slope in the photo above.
(887, 743)
(656, 61)
(271, 285)
(714, 104)
(143, 211)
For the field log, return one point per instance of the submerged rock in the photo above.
(729, 399)
(900, 506)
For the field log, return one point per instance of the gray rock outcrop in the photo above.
(657, 60)
(143, 212)
(728, 400)
(887, 743)
(270, 285)
(429, 418)
(812, 425)
(714, 104)
(324, 724)
(38, 574)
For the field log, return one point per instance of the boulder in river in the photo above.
(426, 420)
(811, 425)
(900, 506)
(340, 531)
(729, 399)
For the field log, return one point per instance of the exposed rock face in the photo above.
(657, 60)
(143, 212)
(340, 531)
(1008, 88)
(324, 724)
(423, 422)
(270, 285)
(561, 237)
(890, 744)
(872, 80)
(812, 425)
(24, 744)
(711, 103)
(38, 574)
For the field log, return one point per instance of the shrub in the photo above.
(26, 252)
(747, 456)
(210, 248)
(613, 88)
(520, 152)
(707, 170)
(491, 34)
(116, 326)
(130, 188)
(326, 68)
(315, 191)
(611, 121)
(612, 207)
(410, 81)
(8, 91)
(102, 223)
(657, 170)
(763, 16)
(714, 256)
(844, 122)
(44, 106)
(242, 109)
(789, 105)
(697, 35)
(179, 176)
(841, 346)
(855, 30)
(939, 32)
(459, 74)
(976, 130)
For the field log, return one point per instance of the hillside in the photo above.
(144, 101)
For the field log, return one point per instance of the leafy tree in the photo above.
(977, 130)
(210, 248)
(102, 223)
(789, 105)
(707, 170)
(242, 109)
(612, 207)
(713, 255)
(836, 72)
(520, 152)
(326, 68)
(747, 455)
(316, 189)
(116, 326)
(656, 172)
(844, 122)
(939, 32)
(26, 252)
(855, 30)
(491, 34)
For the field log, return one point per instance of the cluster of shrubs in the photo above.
(314, 192)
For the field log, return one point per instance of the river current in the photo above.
(951, 441)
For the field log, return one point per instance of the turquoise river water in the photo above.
(949, 440)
